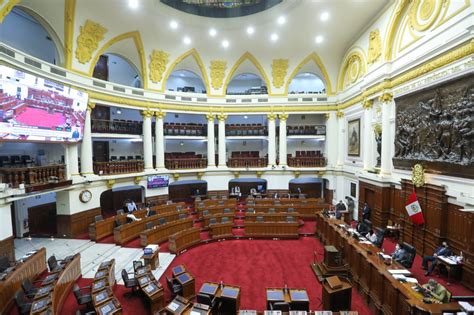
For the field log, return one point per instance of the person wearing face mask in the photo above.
(442, 250)
(399, 254)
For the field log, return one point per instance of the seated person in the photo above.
(132, 217)
(400, 254)
(442, 250)
(372, 237)
(253, 192)
(437, 292)
(131, 206)
(363, 228)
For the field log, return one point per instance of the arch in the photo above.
(192, 52)
(137, 39)
(392, 29)
(182, 73)
(354, 52)
(129, 62)
(317, 61)
(254, 61)
(57, 43)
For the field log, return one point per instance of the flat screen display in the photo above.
(157, 181)
(36, 109)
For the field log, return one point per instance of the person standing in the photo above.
(366, 212)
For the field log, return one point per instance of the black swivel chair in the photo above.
(380, 233)
(22, 304)
(54, 264)
(410, 256)
(212, 221)
(290, 219)
(118, 222)
(182, 216)
(129, 282)
(271, 210)
(4, 263)
(280, 306)
(224, 220)
(259, 219)
(300, 306)
(206, 299)
(98, 218)
(175, 288)
(149, 225)
(137, 264)
(82, 298)
(151, 212)
(28, 288)
(162, 220)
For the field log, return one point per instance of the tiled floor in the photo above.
(92, 254)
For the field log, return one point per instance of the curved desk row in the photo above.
(272, 229)
(272, 217)
(215, 202)
(161, 233)
(151, 288)
(215, 210)
(221, 230)
(184, 239)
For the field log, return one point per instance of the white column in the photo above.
(159, 140)
(386, 159)
(341, 136)
(283, 148)
(6, 228)
(87, 166)
(147, 140)
(331, 139)
(72, 160)
(211, 151)
(368, 135)
(271, 140)
(222, 153)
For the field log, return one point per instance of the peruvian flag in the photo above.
(414, 209)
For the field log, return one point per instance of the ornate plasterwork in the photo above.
(158, 61)
(386, 97)
(160, 114)
(147, 113)
(210, 117)
(375, 47)
(418, 175)
(222, 117)
(90, 107)
(367, 104)
(339, 114)
(218, 68)
(279, 70)
(423, 13)
(7, 8)
(354, 67)
(283, 117)
(272, 117)
(91, 33)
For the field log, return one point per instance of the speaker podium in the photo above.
(331, 265)
(337, 294)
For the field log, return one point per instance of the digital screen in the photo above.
(157, 181)
(35, 109)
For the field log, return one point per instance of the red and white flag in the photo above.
(414, 209)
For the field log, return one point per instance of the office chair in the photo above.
(380, 237)
(162, 220)
(291, 210)
(53, 264)
(290, 219)
(212, 221)
(120, 212)
(411, 254)
(137, 264)
(259, 219)
(175, 288)
(205, 212)
(206, 299)
(280, 306)
(118, 222)
(98, 218)
(226, 210)
(82, 298)
(149, 225)
(28, 288)
(4, 263)
(224, 220)
(22, 304)
(271, 210)
(250, 210)
(129, 282)
(182, 216)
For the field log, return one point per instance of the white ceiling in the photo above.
(348, 20)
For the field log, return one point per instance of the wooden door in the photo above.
(100, 151)
(370, 198)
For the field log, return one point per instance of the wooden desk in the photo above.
(63, 283)
(228, 294)
(152, 260)
(178, 306)
(207, 218)
(215, 210)
(161, 233)
(451, 267)
(151, 288)
(272, 217)
(371, 275)
(183, 240)
(104, 228)
(272, 229)
(31, 268)
(221, 230)
(178, 270)
(103, 298)
(188, 284)
(337, 299)
(297, 298)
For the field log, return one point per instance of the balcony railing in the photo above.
(177, 129)
(246, 130)
(36, 175)
(189, 163)
(118, 167)
(247, 162)
(308, 161)
(306, 130)
(117, 126)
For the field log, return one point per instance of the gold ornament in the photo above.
(160, 114)
(88, 40)
(236, 174)
(137, 180)
(221, 117)
(147, 113)
(210, 117)
(259, 174)
(339, 114)
(272, 117)
(110, 183)
(418, 175)
(386, 97)
(327, 116)
(90, 107)
(7, 9)
(378, 129)
(375, 47)
(200, 175)
(158, 61)
(217, 68)
(176, 176)
(368, 104)
(423, 13)
(283, 117)
(279, 70)
(297, 174)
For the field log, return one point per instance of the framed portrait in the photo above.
(353, 137)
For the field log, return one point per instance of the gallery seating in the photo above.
(306, 130)
(118, 167)
(184, 160)
(247, 159)
(185, 129)
(233, 130)
(120, 126)
(307, 159)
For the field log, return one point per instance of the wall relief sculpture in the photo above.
(434, 127)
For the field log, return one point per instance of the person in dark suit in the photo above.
(340, 207)
(400, 254)
(442, 250)
(366, 212)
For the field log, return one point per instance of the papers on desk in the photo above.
(365, 242)
(195, 313)
(468, 307)
(173, 306)
(384, 256)
(399, 271)
(449, 260)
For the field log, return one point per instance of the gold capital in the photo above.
(386, 97)
(160, 114)
(259, 174)
(176, 176)
(339, 114)
(90, 106)
(367, 104)
(283, 117)
(147, 113)
(327, 115)
(221, 117)
(210, 117)
(272, 116)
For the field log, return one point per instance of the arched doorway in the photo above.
(187, 190)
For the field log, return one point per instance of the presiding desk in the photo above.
(184, 239)
(30, 268)
(297, 298)
(160, 233)
(56, 287)
(373, 276)
(227, 295)
(272, 229)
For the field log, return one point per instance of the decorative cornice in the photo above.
(222, 117)
(367, 104)
(160, 114)
(386, 97)
(279, 70)
(339, 114)
(199, 175)
(210, 117)
(137, 180)
(236, 174)
(158, 61)
(259, 174)
(218, 68)
(283, 117)
(272, 117)
(110, 183)
(176, 176)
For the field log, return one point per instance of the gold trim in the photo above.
(272, 117)
(236, 174)
(176, 176)
(283, 117)
(339, 114)
(418, 175)
(222, 117)
(392, 29)
(355, 53)
(257, 65)
(386, 97)
(135, 35)
(90, 106)
(192, 52)
(368, 104)
(110, 183)
(7, 8)
(317, 61)
(210, 117)
(137, 180)
(69, 14)
(147, 113)
(259, 174)
(160, 114)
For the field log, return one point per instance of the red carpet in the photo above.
(39, 117)
(257, 264)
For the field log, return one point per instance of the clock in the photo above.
(85, 196)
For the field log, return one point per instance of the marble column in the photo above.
(147, 140)
(283, 148)
(159, 140)
(386, 158)
(222, 153)
(72, 160)
(368, 135)
(271, 139)
(331, 139)
(211, 150)
(87, 166)
(341, 136)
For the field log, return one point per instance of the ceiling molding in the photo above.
(69, 14)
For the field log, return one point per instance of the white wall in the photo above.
(125, 113)
(185, 118)
(21, 31)
(6, 229)
(21, 210)
(175, 81)
(125, 147)
(198, 146)
(237, 85)
(53, 151)
(294, 145)
(305, 84)
(251, 119)
(251, 145)
(121, 72)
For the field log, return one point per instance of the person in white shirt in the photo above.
(372, 237)
(131, 206)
